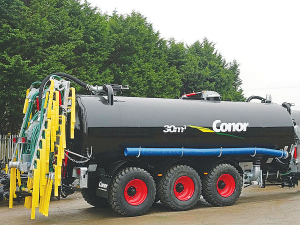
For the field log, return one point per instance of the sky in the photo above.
(263, 36)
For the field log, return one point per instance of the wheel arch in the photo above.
(209, 166)
(165, 165)
(117, 166)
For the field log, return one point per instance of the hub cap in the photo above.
(135, 192)
(225, 185)
(184, 188)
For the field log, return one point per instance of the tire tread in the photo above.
(163, 187)
(208, 193)
(113, 195)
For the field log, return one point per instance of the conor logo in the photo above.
(229, 127)
(220, 128)
(103, 186)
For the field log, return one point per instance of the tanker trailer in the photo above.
(128, 152)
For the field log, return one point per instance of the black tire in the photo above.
(180, 188)
(132, 191)
(89, 195)
(222, 186)
(157, 199)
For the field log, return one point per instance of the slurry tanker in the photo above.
(129, 152)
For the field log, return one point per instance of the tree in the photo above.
(139, 58)
(39, 37)
(177, 54)
(206, 69)
(14, 71)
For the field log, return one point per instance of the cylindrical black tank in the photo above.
(168, 123)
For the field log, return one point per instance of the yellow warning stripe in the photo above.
(203, 129)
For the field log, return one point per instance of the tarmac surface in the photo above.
(271, 205)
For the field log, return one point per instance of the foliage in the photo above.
(39, 37)
(203, 68)
(139, 58)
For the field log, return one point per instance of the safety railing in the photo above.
(6, 146)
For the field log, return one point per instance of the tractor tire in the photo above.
(132, 191)
(222, 186)
(180, 188)
(89, 195)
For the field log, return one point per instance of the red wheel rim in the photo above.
(136, 192)
(184, 188)
(226, 185)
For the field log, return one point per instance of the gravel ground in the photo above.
(271, 205)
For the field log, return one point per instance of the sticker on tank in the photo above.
(229, 127)
(220, 128)
(217, 127)
(174, 129)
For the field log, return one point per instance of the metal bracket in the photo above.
(139, 152)
(81, 156)
(254, 153)
(220, 153)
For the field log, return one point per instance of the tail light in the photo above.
(295, 153)
(78, 171)
(21, 140)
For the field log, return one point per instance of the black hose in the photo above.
(110, 94)
(282, 163)
(287, 106)
(70, 77)
(263, 100)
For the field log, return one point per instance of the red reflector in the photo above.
(37, 104)
(14, 140)
(60, 99)
(295, 153)
(65, 163)
(23, 140)
(78, 171)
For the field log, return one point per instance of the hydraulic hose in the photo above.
(110, 94)
(70, 77)
(203, 152)
(287, 106)
(263, 100)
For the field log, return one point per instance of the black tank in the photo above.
(168, 123)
